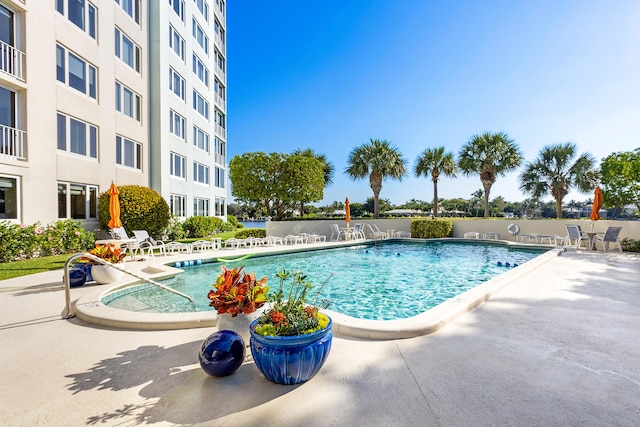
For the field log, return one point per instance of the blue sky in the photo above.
(331, 75)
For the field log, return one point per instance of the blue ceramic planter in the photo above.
(222, 353)
(290, 360)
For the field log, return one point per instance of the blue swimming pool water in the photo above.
(392, 280)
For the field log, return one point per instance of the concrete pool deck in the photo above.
(559, 346)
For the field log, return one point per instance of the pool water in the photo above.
(385, 281)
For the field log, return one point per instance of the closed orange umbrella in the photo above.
(347, 210)
(114, 206)
(597, 204)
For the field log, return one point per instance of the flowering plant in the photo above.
(107, 252)
(237, 292)
(292, 316)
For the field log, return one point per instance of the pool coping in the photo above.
(90, 309)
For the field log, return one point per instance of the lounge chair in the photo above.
(575, 236)
(380, 232)
(609, 236)
(358, 232)
(149, 243)
(133, 245)
(471, 235)
(336, 233)
(377, 234)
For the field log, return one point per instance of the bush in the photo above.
(630, 245)
(234, 221)
(141, 208)
(201, 226)
(174, 230)
(251, 232)
(431, 228)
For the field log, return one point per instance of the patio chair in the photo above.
(358, 232)
(336, 233)
(375, 227)
(575, 236)
(149, 243)
(132, 245)
(609, 236)
(377, 234)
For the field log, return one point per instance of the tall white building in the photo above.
(111, 90)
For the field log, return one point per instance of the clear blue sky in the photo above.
(331, 75)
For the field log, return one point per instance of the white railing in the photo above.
(220, 101)
(219, 159)
(221, 131)
(12, 142)
(220, 72)
(220, 42)
(11, 60)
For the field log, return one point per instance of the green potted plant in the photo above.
(104, 274)
(291, 340)
(238, 298)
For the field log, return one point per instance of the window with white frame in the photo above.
(178, 167)
(219, 177)
(177, 84)
(220, 151)
(131, 8)
(220, 61)
(76, 136)
(203, 7)
(178, 204)
(200, 35)
(219, 204)
(77, 201)
(200, 206)
(220, 90)
(220, 120)
(128, 152)
(81, 12)
(220, 4)
(200, 104)
(200, 70)
(74, 71)
(217, 28)
(9, 197)
(200, 173)
(127, 50)
(176, 124)
(176, 43)
(200, 139)
(178, 8)
(127, 101)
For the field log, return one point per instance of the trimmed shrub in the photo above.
(141, 208)
(431, 228)
(201, 226)
(174, 230)
(251, 232)
(630, 245)
(234, 221)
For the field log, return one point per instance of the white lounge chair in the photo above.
(609, 236)
(336, 233)
(133, 245)
(149, 243)
(377, 234)
(358, 232)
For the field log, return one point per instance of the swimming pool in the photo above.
(383, 281)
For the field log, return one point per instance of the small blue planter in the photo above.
(290, 360)
(222, 353)
(77, 276)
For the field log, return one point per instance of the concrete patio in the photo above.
(558, 347)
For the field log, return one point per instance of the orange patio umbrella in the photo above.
(114, 206)
(597, 204)
(347, 211)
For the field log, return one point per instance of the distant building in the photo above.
(98, 91)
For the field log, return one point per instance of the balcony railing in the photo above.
(12, 142)
(11, 60)
(219, 159)
(219, 101)
(220, 42)
(220, 131)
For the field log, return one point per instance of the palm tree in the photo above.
(327, 168)
(555, 172)
(376, 159)
(490, 155)
(433, 162)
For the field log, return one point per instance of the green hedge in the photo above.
(251, 232)
(431, 228)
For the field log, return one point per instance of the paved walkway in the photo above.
(558, 347)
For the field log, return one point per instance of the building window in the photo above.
(200, 104)
(200, 206)
(220, 121)
(200, 173)
(200, 139)
(177, 84)
(82, 13)
(219, 177)
(9, 197)
(178, 205)
(219, 88)
(220, 62)
(200, 36)
(220, 4)
(176, 124)
(127, 50)
(178, 166)
(77, 201)
(127, 101)
(76, 136)
(203, 7)
(128, 153)
(219, 204)
(217, 28)
(76, 72)
(178, 8)
(200, 70)
(176, 43)
(220, 151)
(131, 8)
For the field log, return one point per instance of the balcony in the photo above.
(220, 131)
(12, 142)
(219, 159)
(11, 60)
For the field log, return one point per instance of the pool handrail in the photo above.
(67, 281)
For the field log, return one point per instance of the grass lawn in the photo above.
(12, 269)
